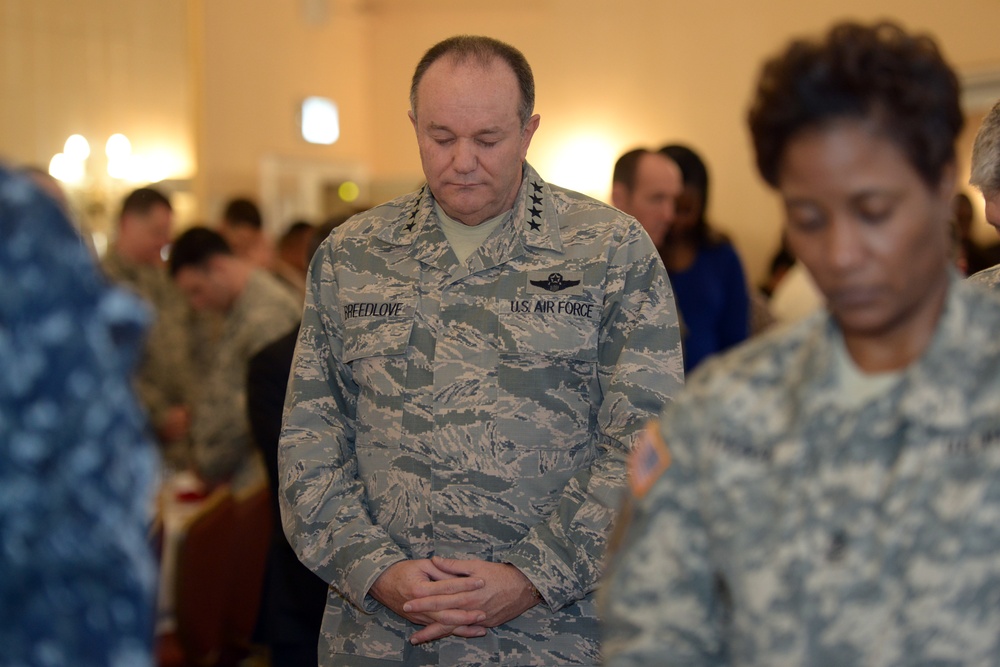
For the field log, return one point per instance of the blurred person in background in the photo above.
(294, 597)
(646, 185)
(77, 463)
(135, 259)
(243, 229)
(986, 177)
(976, 257)
(292, 261)
(704, 269)
(256, 310)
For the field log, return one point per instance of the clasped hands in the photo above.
(454, 597)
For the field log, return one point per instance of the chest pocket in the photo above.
(554, 327)
(548, 393)
(375, 339)
(381, 329)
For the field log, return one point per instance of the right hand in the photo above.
(176, 424)
(413, 579)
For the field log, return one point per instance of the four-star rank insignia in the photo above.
(536, 207)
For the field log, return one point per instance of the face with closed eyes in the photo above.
(471, 141)
(871, 231)
(653, 199)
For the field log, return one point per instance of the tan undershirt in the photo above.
(856, 386)
(466, 239)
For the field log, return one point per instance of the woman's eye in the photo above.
(805, 224)
(804, 219)
(875, 215)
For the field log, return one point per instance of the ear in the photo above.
(619, 195)
(413, 119)
(527, 133)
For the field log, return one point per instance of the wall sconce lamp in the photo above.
(319, 121)
(91, 194)
(70, 166)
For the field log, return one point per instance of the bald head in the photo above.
(646, 186)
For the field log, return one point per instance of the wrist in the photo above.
(532, 594)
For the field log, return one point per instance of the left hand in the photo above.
(507, 593)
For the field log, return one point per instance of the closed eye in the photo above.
(875, 207)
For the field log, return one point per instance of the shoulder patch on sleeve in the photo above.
(649, 459)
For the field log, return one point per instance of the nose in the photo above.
(669, 212)
(845, 244)
(464, 159)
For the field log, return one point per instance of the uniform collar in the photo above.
(927, 396)
(534, 223)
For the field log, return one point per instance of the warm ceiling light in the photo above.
(77, 148)
(66, 170)
(118, 147)
(320, 121)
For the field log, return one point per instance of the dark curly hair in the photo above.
(878, 72)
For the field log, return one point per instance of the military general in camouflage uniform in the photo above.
(828, 495)
(475, 361)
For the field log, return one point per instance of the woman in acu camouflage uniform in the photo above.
(828, 494)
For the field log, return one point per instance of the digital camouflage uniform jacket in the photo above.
(482, 410)
(164, 379)
(223, 448)
(790, 529)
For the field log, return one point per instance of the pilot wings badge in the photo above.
(555, 282)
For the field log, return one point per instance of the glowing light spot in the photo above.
(348, 191)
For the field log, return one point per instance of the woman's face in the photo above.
(871, 232)
(688, 209)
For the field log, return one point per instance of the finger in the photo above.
(438, 603)
(430, 633)
(452, 586)
(433, 572)
(454, 566)
(469, 631)
(456, 616)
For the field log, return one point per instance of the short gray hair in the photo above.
(485, 51)
(986, 154)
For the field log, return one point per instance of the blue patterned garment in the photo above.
(76, 461)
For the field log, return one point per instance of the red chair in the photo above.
(202, 586)
(253, 519)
